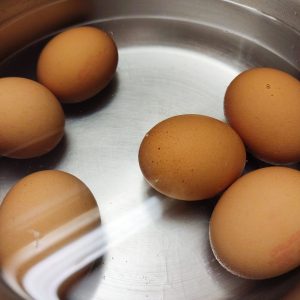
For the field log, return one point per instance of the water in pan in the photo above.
(149, 247)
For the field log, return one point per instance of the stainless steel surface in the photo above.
(176, 57)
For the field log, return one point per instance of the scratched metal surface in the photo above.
(176, 57)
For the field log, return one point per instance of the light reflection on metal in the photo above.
(43, 279)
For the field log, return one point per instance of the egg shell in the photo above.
(42, 213)
(191, 157)
(255, 226)
(32, 120)
(263, 106)
(78, 63)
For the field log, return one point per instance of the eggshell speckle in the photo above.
(255, 226)
(263, 106)
(191, 157)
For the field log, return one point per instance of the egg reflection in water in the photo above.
(49, 222)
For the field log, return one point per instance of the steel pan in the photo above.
(176, 57)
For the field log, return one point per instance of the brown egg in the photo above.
(78, 63)
(191, 157)
(255, 226)
(39, 217)
(263, 106)
(32, 120)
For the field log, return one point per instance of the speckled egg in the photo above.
(191, 157)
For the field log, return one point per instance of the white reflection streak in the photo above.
(43, 280)
(42, 244)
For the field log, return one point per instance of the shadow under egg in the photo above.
(14, 169)
(87, 280)
(179, 209)
(94, 104)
